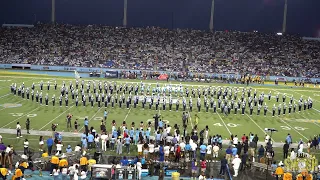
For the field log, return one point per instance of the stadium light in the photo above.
(279, 34)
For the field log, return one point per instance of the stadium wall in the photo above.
(242, 15)
(102, 70)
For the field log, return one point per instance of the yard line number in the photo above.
(232, 125)
(296, 128)
(22, 114)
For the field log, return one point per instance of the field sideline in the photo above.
(14, 109)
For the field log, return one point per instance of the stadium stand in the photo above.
(161, 49)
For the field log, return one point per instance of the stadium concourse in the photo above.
(178, 122)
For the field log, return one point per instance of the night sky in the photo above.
(243, 15)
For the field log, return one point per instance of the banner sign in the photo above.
(111, 74)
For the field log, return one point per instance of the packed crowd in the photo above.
(168, 50)
(162, 143)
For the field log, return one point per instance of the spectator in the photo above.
(285, 150)
(49, 145)
(224, 163)
(260, 153)
(236, 164)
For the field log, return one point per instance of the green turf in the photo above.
(300, 125)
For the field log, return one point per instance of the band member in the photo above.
(177, 104)
(199, 104)
(66, 100)
(290, 107)
(284, 108)
(273, 110)
(170, 103)
(84, 100)
(265, 109)
(77, 101)
(46, 99)
(258, 109)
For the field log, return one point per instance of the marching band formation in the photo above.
(228, 100)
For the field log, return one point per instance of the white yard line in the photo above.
(224, 124)
(306, 95)
(56, 117)
(290, 127)
(25, 114)
(91, 118)
(257, 125)
(308, 118)
(14, 103)
(125, 118)
(5, 95)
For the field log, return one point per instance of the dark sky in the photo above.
(244, 15)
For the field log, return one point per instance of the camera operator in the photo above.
(156, 121)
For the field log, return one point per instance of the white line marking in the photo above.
(56, 117)
(128, 114)
(304, 95)
(308, 118)
(257, 125)
(4, 95)
(21, 117)
(291, 127)
(13, 103)
(224, 123)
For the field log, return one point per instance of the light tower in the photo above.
(53, 11)
(284, 23)
(125, 7)
(211, 17)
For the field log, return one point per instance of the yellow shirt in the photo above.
(92, 161)
(45, 155)
(279, 171)
(63, 163)
(299, 177)
(83, 161)
(18, 173)
(24, 164)
(287, 176)
(4, 171)
(54, 160)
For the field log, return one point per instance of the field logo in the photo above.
(10, 105)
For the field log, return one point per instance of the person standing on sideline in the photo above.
(236, 164)
(18, 128)
(223, 167)
(28, 125)
(285, 150)
(86, 125)
(49, 145)
(69, 116)
(105, 115)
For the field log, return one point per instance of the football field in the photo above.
(301, 125)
